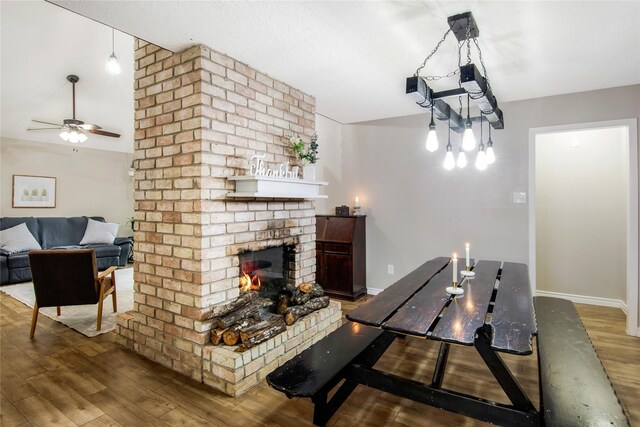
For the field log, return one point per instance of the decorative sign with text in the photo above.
(257, 167)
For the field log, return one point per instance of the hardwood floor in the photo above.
(64, 378)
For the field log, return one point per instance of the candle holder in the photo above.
(454, 289)
(356, 210)
(468, 272)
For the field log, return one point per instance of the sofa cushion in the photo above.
(60, 231)
(18, 239)
(105, 250)
(19, 260)
(32, 224)
(99, 233)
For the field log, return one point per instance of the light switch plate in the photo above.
(519, 197)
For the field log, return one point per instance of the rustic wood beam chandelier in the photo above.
(472, 85)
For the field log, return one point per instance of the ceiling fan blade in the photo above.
(89, 126)
(58, 128)
(46, 123)
(104, 133)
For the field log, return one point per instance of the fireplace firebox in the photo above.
(266, 270)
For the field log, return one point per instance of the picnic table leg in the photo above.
(494, 362)
(441, 364)
(323, 410)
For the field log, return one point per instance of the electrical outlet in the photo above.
(390, 268)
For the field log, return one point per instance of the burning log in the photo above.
(242, 313)
(262, 331)
(284, 300)
(224, 309)
(294, 313)
(305, 292)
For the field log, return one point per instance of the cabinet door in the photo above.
(338, 273)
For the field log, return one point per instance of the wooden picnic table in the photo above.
(495, 314)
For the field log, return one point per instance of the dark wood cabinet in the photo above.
(341, 265)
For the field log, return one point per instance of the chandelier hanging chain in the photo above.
(468, 39)
(484, 69)
(435, 49)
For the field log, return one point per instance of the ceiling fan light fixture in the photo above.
(64, 135)
(113, 67)
(82, 137)
(73, 137)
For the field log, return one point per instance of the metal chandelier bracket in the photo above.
(471, 82)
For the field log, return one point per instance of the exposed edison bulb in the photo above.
(82, 137)
(491, 157)
(481, 159)
(73, 137)
(113, 67)
(462, 160)
(449, 162)
(64, 135)
(468, 139)
(432, 139)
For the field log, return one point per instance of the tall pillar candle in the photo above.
(455, 268)
(467, 251)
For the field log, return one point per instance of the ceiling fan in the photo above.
(73, 130)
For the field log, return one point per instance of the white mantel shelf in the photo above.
(276, 188)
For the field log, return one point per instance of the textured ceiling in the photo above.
(353, 56)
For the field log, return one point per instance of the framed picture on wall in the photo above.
(34, 191)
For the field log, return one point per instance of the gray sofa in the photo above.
(58, 232)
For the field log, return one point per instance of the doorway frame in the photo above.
(633, 326)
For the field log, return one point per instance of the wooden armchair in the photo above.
(69, 277)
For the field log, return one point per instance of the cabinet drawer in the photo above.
(337, 248)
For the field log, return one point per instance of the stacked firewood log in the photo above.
(249, 319)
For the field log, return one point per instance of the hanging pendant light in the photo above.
(432, 137)
(462, 159)
(491, 157)
(481, 159)
(113, 67)
(468, 140)
(449, 162)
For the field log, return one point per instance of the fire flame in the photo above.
(248, 283)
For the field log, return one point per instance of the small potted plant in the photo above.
(307, 153)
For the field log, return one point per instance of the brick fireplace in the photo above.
(199, 117)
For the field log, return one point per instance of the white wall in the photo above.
(89, 182)
(582, 186)
(417, 210)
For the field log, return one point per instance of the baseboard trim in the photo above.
(373, 291)
(582, 299)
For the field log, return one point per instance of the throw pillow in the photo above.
(99, 233)
(18, 239)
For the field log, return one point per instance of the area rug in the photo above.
(83, 318)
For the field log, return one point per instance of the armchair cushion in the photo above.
(99, 233)
(18, 239)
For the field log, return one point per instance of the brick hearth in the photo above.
(199, 116)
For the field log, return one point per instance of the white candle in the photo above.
(357, 202)
(467, 250)
(455, 268)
